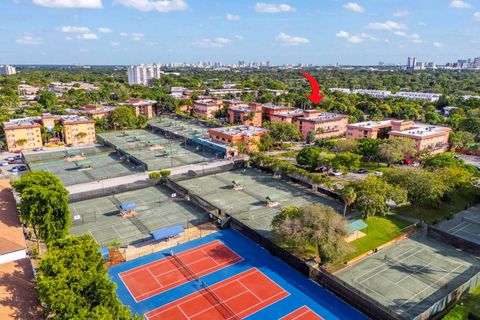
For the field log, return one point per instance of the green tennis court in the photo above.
(180, 127)
(412, 276)
(155, 151)
(249, 205)
(93, 164)
(155, 210)
(465, 225)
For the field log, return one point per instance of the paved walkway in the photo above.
(99, 185)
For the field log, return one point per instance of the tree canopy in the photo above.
(73, 282)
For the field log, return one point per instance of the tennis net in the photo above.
(214, 300)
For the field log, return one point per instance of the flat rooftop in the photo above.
(371, 124)
(74, 119)
(30, 121)
(422, 130)
(291, 113)
(324, 116)
(240, 130)
(274, 106)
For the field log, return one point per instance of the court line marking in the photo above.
(306, 311)
(248, 273)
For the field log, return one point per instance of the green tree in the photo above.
(348, 197)
(47, 99)
(310, 137)
(312, 229)
(73, 282)
(166, 103)
(396, 149)
(344, 145)
(123, 117)
(267, 143)
(369, 148)
(373, 195)
(309, 157)
(282, 131)
(346, 161)
(44, 205)
(461, 139)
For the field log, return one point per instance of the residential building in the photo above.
(143, 74)
(96, 111)
(322, 124)
(290, 116)
(7, 70)
(248, 136)
(246, 114)
(206, 107)
(77, 129)
(141, 106)
(270, 109)
(23, 134)
(430, 138)
(60, 87)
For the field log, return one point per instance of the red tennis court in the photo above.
(302, 313)
(156, 277)
(234, 298)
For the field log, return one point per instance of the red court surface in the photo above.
(234, 298)
(302, 313)
(156, 277)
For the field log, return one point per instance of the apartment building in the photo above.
(270, 109)
(7, 70)
(246, 114)
(206, 107)
(141, 106)
(247, 135)
(96, 111)
(23, 134)
(77, 129)
(430, 138)
(26, 133)
(143, 74)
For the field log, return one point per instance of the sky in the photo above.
(320, 32)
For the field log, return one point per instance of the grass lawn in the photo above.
(380, 230)
(469, 305)
(458, 200)
(374, 166)
(288, 154)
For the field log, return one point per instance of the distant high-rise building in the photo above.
(7, 70)
(414, 62)
(409, 63)
(143, 74)
(476, 62)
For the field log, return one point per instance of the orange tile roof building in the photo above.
(323, 124)
(430, 138)
(141, 106)
(246, 114)
(206, 107)
(248, 135)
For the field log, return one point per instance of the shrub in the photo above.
(154, 175)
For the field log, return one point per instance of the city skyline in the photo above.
(130, 32)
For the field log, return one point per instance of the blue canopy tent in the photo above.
(165, 233)
(104, 252)
(127, 206)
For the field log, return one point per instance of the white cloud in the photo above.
(68, 38)
(438, 44)
(105, 30)
(232, 17)
(151, 44)
(460, 4)
(72, 29)
(263, 7)
(137, 36)
(88, 4)
(238, 37)
(155, 5)
(476, 16)
(114, 44)
(400, 33)
(123, 34)
(213, 43)
(401, 13)
(355, 38)
(30, 40)
(416, 38)
(387, 25)
(88, 36)
(289, 40)
(353, 6)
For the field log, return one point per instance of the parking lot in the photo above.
(9, 161)
(473, 160)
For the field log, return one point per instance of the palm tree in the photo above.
(58, 131)
(21, 142)
(80, 136)
(348, 196)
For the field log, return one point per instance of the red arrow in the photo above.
(316, 96)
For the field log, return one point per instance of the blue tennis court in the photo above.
(237, 259)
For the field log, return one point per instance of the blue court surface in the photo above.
(301, 291)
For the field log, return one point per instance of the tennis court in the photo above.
(155, 151)
(465, 225)
(222, 276)
(412, 275)
(249, 204)
(180, 127)
(74, 166)
(155, 209)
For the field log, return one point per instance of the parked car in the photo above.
(22, 168)
(10, 158)
(378, 173)
(15, 169)
(336, 173)
(361, 171)
(12, 161)
(4, 163)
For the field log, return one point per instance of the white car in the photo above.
(336, 173)
(378, 173)
(4, 163)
